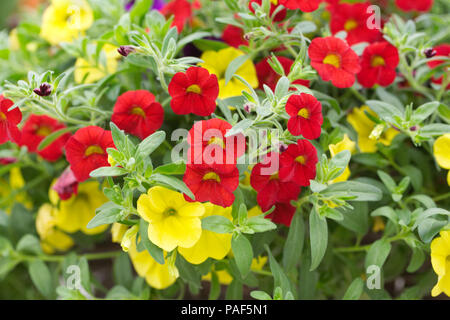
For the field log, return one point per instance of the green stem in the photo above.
(60, 258)
(441, 197)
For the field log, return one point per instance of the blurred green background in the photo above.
(7, 7)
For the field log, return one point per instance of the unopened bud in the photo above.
(125, 50)
(44, 90)
(376, 132)
(430, 53)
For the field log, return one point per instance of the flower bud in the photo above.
(44, 90)
(376, 132)
(128, 237)
(125, 50)
(430, 53)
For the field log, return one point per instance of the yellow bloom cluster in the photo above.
(440, 259)
(217, 62)
(69, 216)
(66, 20)
(441, 150)
(364, 126)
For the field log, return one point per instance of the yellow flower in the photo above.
(225, 278)
(94, 71)
(66, 20)
(440, 259)
(441, 150)
(173, 221)
(13, 40)
(211, 244)
(157, 275)
(345, 144)
(52, 239)
(364, 127)
(9, 191)
(217, 62)
(75, 213)
(254, 212)
(118, 231)
(378, 224)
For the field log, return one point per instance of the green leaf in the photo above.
(188, 272)
(217, 224)
(318, 231)
(385, 111)
(417, 260)
(234, 66)
(41, 277)
(174, 183)
(119, 137)
(378, 253)
(424, 111)
(234, 291)
(259, 224)
(108, 172)
(358, 190)
(48, 140)
(106, 214)
(430, 227)
(355, 290)
(214, 291)
(356, 219)
(207, 45)
(293, 246)
(171, 169)
(243, 253)
(435, 129)
(280, 278)
(387, 180)
(260, 295)
(122, 271)
(155, 251)
(29, 244)
(140, 8)
(85, 274)
(149, 144)
(387, 212)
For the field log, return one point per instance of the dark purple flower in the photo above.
(430, 53)
(44, 90)
(125, 50)
(66, 185)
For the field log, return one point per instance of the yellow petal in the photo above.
(441, 150)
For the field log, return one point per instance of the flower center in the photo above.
(378, 61)
(43, 131)
(350, 25)
(194, 89)
(170, 212)
(2, 116)
(218, 141)
(333, 60)
(138, 111)
(300, 159)
(93, 150)
(274, 177)
(211, 176)
(304, 113)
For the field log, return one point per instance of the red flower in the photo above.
(353, 18)
(8, 160)
(194, 91)
(334, 60)
(9, 121)
(278, 17)
(35, 130)
(442, 50)
(210, 146)
(306, 116)
(414, 5)
(283, 213)
(181, 10)
(234, 36)
(138, 113)
(66, 185)
(378, 64)
(267, 76)
(298, 163)
(86, 151)
(303, 5)
(265, 180)
(215, 184)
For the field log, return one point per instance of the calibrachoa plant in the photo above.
(232, 149)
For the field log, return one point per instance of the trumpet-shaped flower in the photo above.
(217, 62)
(9, 119)
(66, 20)
(305, 113)
(344, 144)
(75, 213)
(211, 244)
(157, 275)
(52, 239)
(440, 259)
(441, 150)
(364, 126)
(172, 221)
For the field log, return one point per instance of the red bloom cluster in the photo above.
(211, 172)
(414, 5)
(306, 115)
(278, 179)
(138, 113)
(86, 151)
(181, 10)
(234, 36)
(194, 91)
(334, 60)
(267, 76)
(378, 64)
(303, 5)
(9, 121)
(35, 130)
(354, 18)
